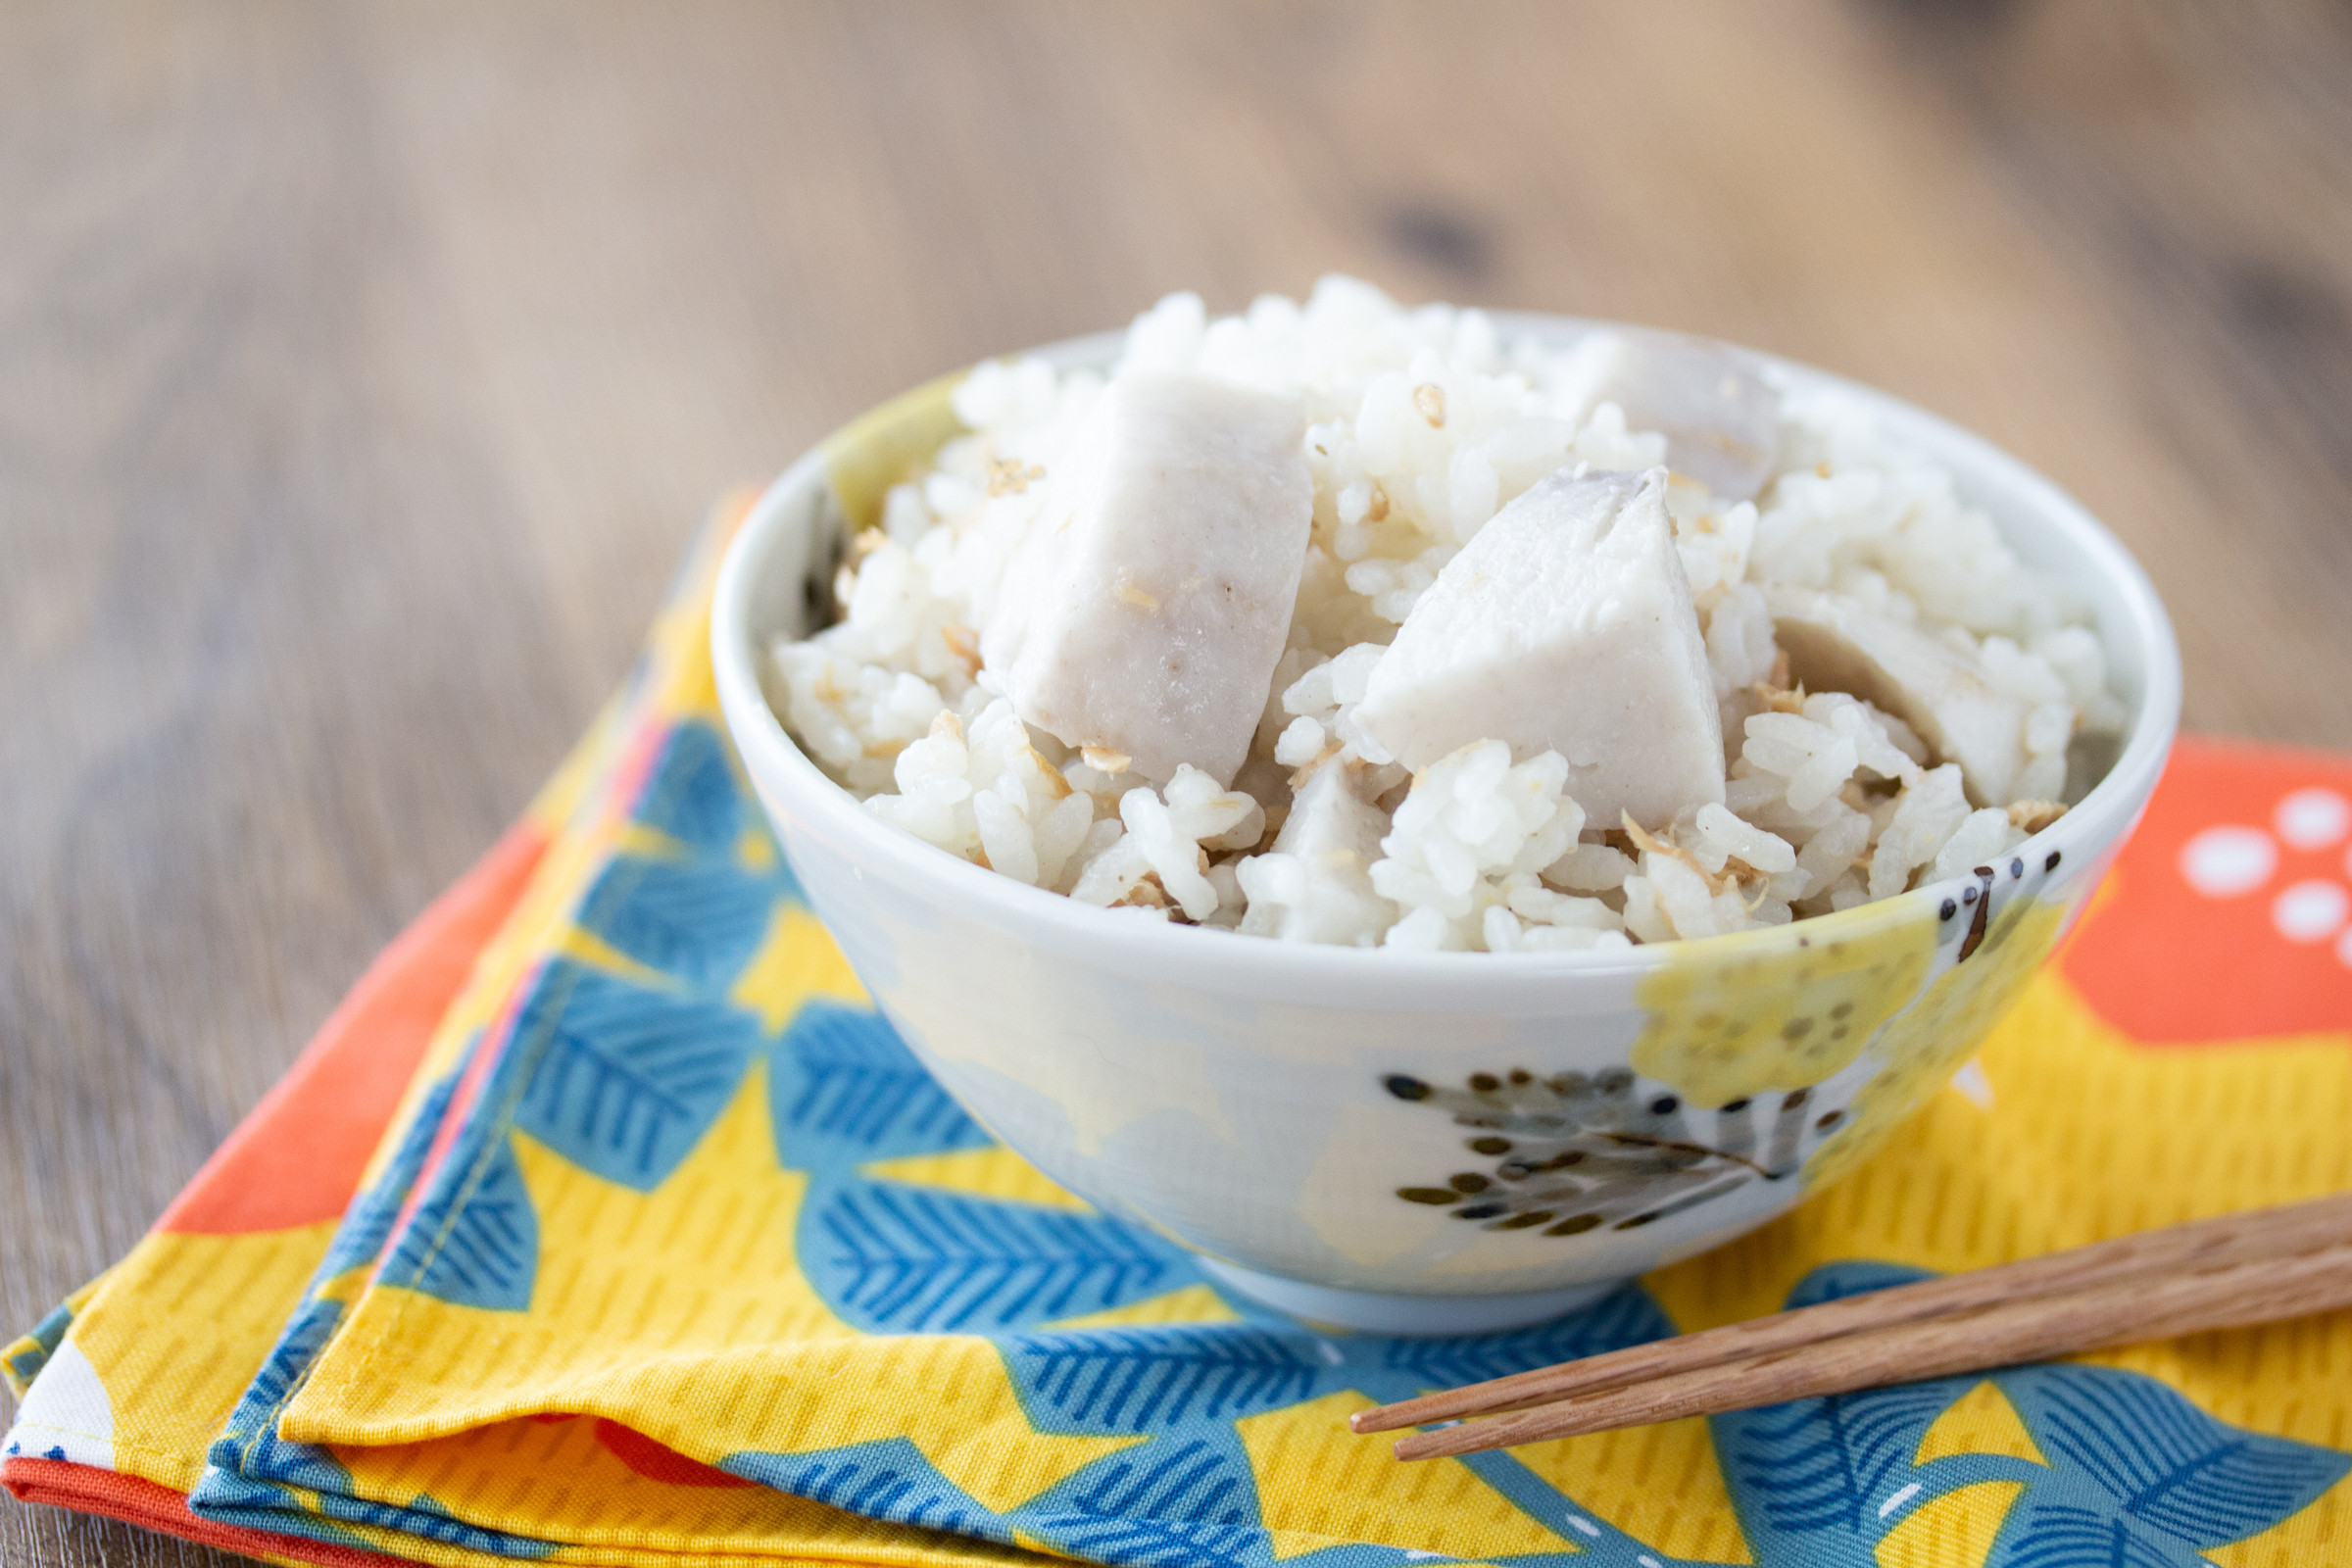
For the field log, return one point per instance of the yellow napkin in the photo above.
(670, 1252)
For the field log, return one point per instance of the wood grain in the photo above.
(2126, 1263)
(363, 369)
(2226, 1270)
(1987, 1336)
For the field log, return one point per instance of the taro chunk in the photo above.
(1566, 624)
(1721, 418)
(1145, 610)
(1834, 644)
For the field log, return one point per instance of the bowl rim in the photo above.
(2105, 815)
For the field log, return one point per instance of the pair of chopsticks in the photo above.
(2227, 1272)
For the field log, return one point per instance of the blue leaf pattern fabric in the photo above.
(2135, 1473)
(842, 1085)
(700, 802)
(908, 1261)
(250, 1468)
(694, 922)
(41, 1342)
(1625, 1316)
(368, 1225)
(1165, 1503)
(886, 1480)
(2160, 1480)
(627, 1049)
(475, 1243)
(1126, 1380)
(626, 1078)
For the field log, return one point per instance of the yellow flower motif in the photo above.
(1783, 1009)
(1924, 1047)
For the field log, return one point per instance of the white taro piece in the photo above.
(1332, 820)
(1146, 607)
(1566, 624)
(1315, 884)
(1721, 418)
(1834, 644)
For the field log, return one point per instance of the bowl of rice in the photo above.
(1435, 812)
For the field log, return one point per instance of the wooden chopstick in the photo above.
(2118, 1314)
(2167, 1249)
(2215, 1273)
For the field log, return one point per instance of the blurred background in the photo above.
(365, 367)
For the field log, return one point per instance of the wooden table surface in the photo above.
(363, 369)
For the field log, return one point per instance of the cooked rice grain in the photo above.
(1422, 423)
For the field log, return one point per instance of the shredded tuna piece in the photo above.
(963, 645)
(2032, 816)
(1008, 477)
(1338, 620)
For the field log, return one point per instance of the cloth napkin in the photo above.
(607, 1222)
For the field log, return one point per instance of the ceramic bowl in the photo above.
(1426, 1143)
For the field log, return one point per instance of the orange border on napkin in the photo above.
(86, 1489)
(299, 1154)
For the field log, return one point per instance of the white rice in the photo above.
(1830, 801)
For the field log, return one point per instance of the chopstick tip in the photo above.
(1430, 1442)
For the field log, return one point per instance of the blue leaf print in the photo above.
(2163, 1480)
(46, 1336)
(1829, 1464)
(1186, 1385)
(1839, 1281)
(1172, 1502)
(699, 921)
(428, 1517)
(368, 1221)
(1821, 1480)
(2169, 1465)
(885, 1480)
(695, 797)
(249, 1443)
(622, 1080)
(266, 1506)
(475, 1238)
(1624, 1317)
(2064, 1536)
(249, 1446)
(1133, 1380)
(841, 1075)
(2137, 1477)
(1157, 1543)
(905, 1260)
(1598, 1543)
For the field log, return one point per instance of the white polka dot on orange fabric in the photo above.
(2310, 911)
(2313, 818)
(2225, 861)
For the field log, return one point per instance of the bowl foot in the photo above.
(1374, 1312)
